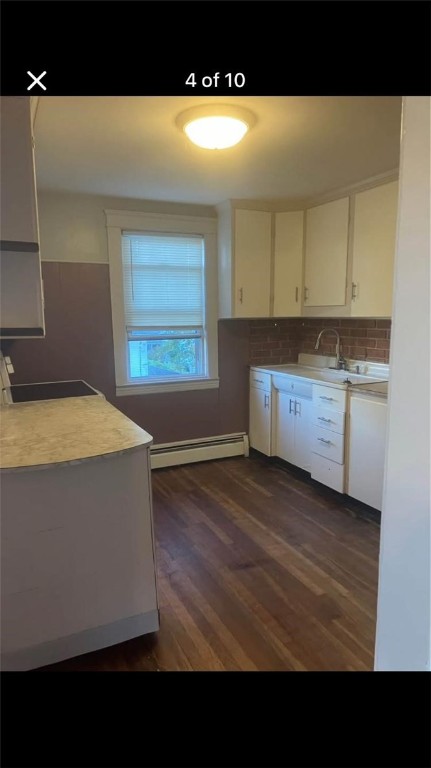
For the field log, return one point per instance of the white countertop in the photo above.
(376, 388)
(40, 434)
(318, 375)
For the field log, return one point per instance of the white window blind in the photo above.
(163, 277)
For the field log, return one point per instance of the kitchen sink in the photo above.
(343, 377)
(324, 374)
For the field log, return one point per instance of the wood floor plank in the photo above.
(258, 569)
(228, 649)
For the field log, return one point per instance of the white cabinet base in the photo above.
(78, 566)
(367, 447)
(260, 420)
(327, 472)
(82, 642)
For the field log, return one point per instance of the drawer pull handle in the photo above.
(266, 401)
(258, 381)
(322, 418)
(322, 440)
(323, 397)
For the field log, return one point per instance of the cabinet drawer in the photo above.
(329, 397)
(293, 385)
(328, 419)
(327, 472)
(329, 444)
(260, 380)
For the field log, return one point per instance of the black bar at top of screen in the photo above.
(260, 48)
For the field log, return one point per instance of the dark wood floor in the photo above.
(257, 570)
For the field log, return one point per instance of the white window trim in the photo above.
(119, 221)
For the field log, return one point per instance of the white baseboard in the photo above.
(205, 449)
(82, 642)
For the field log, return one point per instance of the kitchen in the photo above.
(267, 386)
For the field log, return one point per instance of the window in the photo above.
(163, 278)
(163, 289)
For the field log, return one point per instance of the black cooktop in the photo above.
(24, 393)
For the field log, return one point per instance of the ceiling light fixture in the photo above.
(216, 126)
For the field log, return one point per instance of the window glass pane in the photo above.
(164, 358)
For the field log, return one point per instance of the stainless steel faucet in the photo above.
(340, 361)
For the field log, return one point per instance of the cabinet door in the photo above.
(302, 449)
(326, 254)
(252, 255)
(374, 234)
(285, 427)
(260, 420)
(21, 294)
(18, 189)
(21, 298)
(289, 231)
(367, 440)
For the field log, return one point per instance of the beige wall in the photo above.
(73, 227)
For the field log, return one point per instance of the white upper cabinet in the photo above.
(326, 247)
(289, 236)
(252, 242)
(245, 242)
(347, 245)
(374, 233)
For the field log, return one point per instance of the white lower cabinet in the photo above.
(367, 438)
(327, 472)
(327, 442)
(292, 426)
(307, 425)
(260, 412)
(78, 570)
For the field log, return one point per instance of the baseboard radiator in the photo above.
(204, 449)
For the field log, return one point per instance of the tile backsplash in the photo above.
(279, 341)
(274, 341)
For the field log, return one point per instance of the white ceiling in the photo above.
(301, 146)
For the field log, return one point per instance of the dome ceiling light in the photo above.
(216, 126)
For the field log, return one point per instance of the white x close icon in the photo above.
(36, 80)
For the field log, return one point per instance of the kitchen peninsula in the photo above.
(78, 567)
